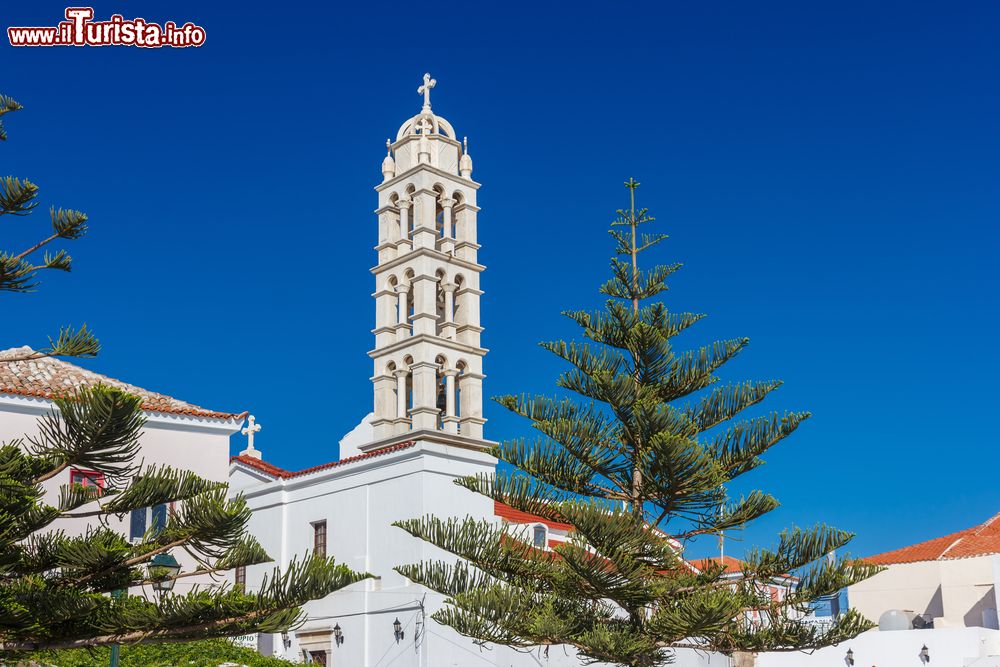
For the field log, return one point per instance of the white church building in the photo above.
(426, 430)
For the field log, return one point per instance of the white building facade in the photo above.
(425, 431)
(176, 433)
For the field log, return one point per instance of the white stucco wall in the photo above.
(950, 647)
(954, 592)
(359, 501)
(196, 444)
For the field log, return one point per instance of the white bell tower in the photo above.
(428, 360)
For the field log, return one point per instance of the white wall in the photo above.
(954, 592)
(359, 501)
(951, 647)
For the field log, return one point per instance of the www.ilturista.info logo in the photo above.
(79, 29)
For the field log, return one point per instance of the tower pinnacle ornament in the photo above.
(426, 90)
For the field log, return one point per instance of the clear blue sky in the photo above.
(828, 173)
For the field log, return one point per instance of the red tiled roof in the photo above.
(47, 377)
(980, 540)
(731, 564)
(512, 515)
(281, 473)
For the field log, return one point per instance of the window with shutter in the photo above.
(319, 538)
(137, 527)
(86, 478)
(159, 519)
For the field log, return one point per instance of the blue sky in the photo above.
(827, 172)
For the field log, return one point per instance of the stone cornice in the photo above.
(428, 435)
(429, 252)
(467, 182)
(427, 338)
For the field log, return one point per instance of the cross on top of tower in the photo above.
(426, 90)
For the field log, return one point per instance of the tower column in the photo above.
(402, 323)
(448, 326)
(424, 223)
(472, 420)
(450, 420)
(424, 414)
(424, 305)
(401, 417)
(385, 407)
(404, 225)
(447, 241)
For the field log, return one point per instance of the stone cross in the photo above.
(426, 90)
(425, 126)
(252, 427)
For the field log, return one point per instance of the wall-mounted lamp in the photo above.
(286, 641)
(338, 634)
(397, 630)
(849, 658)
(164, 568)
(925, 655)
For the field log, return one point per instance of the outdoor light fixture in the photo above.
(925, 655)
(849, 658)
(397, 629)
(286, 641)
(164, 568)
(338, 634)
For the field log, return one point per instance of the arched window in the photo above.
(459, 315)
(408, 279)
(408, 360)
(439, 300)
(390, 370)
(441, 390)
(539, 537)
(438, 211)
(392, 230)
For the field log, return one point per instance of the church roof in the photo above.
(980, 540)
(281, 473)
(47, 377)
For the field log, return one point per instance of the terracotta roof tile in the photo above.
(980, 540)
(512, 515)
(731, 564)
(48, 378)
(281, 473)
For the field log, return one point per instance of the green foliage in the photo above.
(638, 464)
(56, 588)
(205, 653)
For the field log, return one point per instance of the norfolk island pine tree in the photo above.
(638, 464)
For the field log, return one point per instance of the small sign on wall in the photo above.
(245, 641)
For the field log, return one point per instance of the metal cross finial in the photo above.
(426, 90)
(252, 427)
